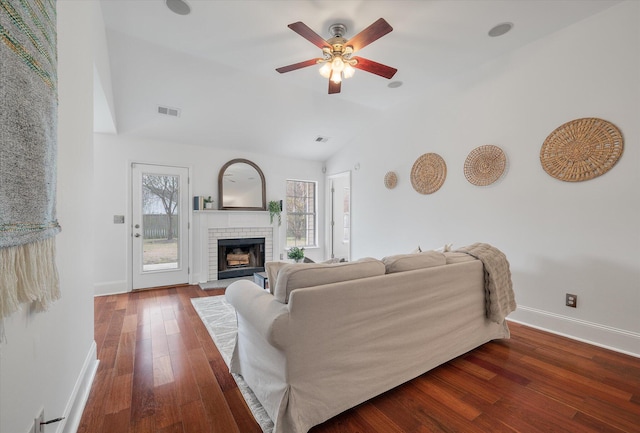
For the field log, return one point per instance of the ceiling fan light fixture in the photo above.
(325, 70)
(337, 64)
(337, 58)
(336, 76)
(348, 71)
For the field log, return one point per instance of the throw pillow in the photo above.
(294, 276)
(410, 262)
(272, 269)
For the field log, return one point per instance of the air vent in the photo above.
(320, 139)
(168, 111)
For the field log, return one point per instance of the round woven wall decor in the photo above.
(581, 149)
(484, 165)
(428, 173)
(390, 180)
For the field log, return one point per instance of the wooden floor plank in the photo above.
(160, 372)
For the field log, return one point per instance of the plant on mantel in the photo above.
(275, 208)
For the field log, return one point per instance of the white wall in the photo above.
(560, 237)
(113, 155)
(50, 357)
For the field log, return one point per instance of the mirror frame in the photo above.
(221, 188)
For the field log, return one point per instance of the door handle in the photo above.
(137, 235)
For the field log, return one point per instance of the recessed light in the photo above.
(394, 84)
(179, 7)
(500, 29)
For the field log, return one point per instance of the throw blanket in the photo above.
(499, 297)
(28, 148)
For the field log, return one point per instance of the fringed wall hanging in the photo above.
(28, 148)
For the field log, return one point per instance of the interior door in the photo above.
(160, 225)
(340, 218)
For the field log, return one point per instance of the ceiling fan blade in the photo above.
(295, 66)
(374, 67)
(303, 30)
(373, 32)
(334, 87)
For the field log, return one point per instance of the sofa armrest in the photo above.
(268, 317)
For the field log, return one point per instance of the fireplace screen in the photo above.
(240, 257)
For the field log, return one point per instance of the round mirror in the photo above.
(241, 186)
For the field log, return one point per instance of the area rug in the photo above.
(220, 319)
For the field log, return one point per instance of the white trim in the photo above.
(608, 337)
(80, 394)
(110, 288)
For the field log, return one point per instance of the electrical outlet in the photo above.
(37, 426)
(571, 300)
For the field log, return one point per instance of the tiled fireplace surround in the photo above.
(237, 233)
(211, 225)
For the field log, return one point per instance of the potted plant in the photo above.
(274, 209)
(295, 253)
(208, 203)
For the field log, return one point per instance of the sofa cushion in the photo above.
(272, 269)
(455, 257)
(410, 262)
(298, 275)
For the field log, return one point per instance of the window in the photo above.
(301, 213)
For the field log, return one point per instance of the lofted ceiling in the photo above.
(217, 65)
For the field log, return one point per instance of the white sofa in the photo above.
(356, 330)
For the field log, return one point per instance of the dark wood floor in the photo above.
(160, 372)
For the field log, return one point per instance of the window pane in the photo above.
(301, 213)
(160, 222)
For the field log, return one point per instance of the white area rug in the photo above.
(220, 319)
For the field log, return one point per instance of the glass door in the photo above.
(160, 223)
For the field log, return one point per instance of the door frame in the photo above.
(130, 229)
(329, 250)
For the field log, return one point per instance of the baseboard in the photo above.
(110, 288)
(608, 337)
(79, 396)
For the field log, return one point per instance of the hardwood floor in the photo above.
(160, 372)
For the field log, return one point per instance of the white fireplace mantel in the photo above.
(245, 223)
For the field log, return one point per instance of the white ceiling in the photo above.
(217, 64)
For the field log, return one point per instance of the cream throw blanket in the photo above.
(499, 297)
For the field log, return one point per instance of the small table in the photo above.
(261, 279)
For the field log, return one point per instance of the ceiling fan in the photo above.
(338, 61)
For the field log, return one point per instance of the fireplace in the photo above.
(240, 257)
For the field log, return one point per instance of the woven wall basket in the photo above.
(581, 149)
(484, 165)
(390, 180)
(428, 173)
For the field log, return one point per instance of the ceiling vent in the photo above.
(320, 139)
(168, 111)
